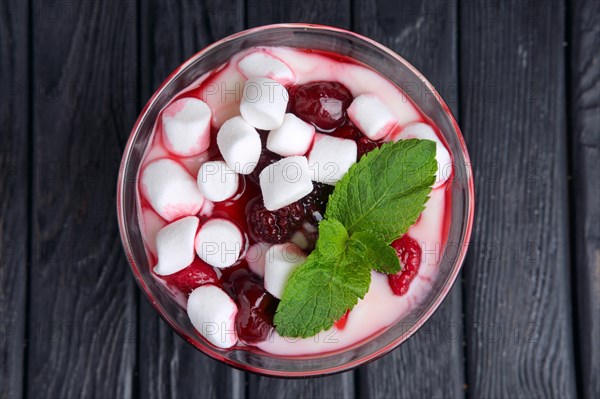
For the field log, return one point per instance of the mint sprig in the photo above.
(376, 202)
(386, 191)
(373, 252)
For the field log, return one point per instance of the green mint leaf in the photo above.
(386, 191)
(374, 252)
(376, 202)
(332, 239)
(318, 293)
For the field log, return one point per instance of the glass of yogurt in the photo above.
(212, 230)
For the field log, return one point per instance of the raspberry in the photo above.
(292, 90)
(323, 104)
(232, 278)
(341, 323)
(316, 201)
(409, 252)
(273, 226)
(365, 145)
(266, 158)
(254, 321)
(192, 277)
(256, 307)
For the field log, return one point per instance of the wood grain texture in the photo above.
(517, 290)
(339, 386)
(171, 32)
(335, 13)
(325, 12)
(85, 335)
(83, 304)
(425, 33)
(584, 55)
(14, 191)
(171, 368)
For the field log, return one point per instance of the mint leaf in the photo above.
(374, 252)
(319, 292)
(386, 191)
(377, 200)
(332, 239)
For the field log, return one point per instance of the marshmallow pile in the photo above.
(220, 244)
(178, 198)
(263, 106)
(178, 195)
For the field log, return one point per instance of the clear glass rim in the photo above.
(441, 295)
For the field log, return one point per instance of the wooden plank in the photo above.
(517, 293)
(430, 364)
(327, 12)
(584, 98)
(14, 192)
(171, 32)
(337, 386)
(83, 304)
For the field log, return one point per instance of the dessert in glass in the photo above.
(288, 207)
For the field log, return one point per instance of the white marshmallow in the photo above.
(421, 130)
(309, 228)
(299, 238)
(175, 246)
(212, 313)
(186, 127)
(216, 181)
(223, 93)
(151, 225)
(280, 262)
(293, 137)
(219, 243)
(330, 158)
(155, 152)
(262, 64)
(284, 182)
(239, 144)
(371, 116)
(192, 164)
(264, 102)
(207, 208)
(170, 189)
(255, 257)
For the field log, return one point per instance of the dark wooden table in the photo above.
(523, 79)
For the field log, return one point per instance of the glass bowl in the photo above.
(397, 70)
